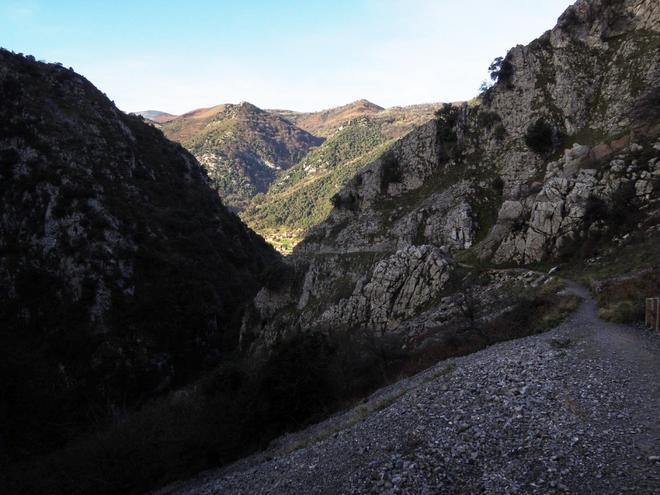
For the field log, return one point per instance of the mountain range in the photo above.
(550, 164)
(301, 198)
(280, 168)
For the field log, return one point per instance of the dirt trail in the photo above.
(635, 354)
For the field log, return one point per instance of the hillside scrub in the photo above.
(242, 147)
(301, 197)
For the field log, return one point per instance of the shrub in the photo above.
(348, 202)
(8, 157)
(499, 133)
(595, 209)
(390, 171)
(569, 18)
(540, 137)
(622, 298)
(498, 185)
(447, 118)
(485, 86)
(622, 312)
(624, 210)
(559, 310)
(487, 118)
(448, 114)
(618, 215)
(294, 385)
(501, 70)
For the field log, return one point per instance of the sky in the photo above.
(303, 55)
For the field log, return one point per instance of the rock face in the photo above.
(121, 272)
(242, 147)
(398, 287)
(561, 154)
(570, 206)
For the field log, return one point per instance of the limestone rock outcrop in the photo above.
(397, 288)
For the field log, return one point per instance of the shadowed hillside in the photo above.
(122, 274)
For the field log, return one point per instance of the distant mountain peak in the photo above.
(325, 122)
(366, 103)
(210, 112)
(251, 106)
(203, 113)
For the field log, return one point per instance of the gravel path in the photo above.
(574, 410)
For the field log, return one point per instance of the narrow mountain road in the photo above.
(573, 410)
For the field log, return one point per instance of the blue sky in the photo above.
(301, 55)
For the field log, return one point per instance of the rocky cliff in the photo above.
(121, 272)
(557, 158)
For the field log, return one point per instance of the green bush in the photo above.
(540, 137)
(499, 133)
(447, 119)
(488, 119)
(347, 202)
(622, 312)
(501, 70)
(391, 172)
